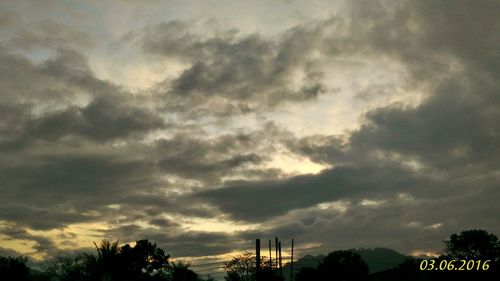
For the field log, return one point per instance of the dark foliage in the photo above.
(142, 262)
(306, 274)
(14, 268)
(473, 244)
(337, 265)
(181, 272)
(343, 265)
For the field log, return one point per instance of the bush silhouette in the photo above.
(342, 265)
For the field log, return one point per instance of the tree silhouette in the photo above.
(73, 268)
(181, 272)
(14, 268)
(475, 244)
(342, 265)
(241, 267)
(143, 260)
(106, 264)
(306, 274)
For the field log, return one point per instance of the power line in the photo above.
(210, 269)
(213, 273)
(211, 263)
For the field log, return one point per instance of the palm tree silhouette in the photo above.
(181, 272)
(107, 260)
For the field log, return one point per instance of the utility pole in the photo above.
(270, 256)
(257, 258)
(281, 268)
(291, 264)
(276, 248)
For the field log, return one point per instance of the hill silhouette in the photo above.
(377, 259)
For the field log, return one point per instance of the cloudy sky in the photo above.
(202, 125)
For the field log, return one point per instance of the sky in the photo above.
(203, 125)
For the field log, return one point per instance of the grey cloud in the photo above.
(425, 34)
(210, 159)
(63, 190)
(9, 18)
(50, 34)
(102, 119)
(406, 225)
(451, 129)
(57, 83)
(256, 201)
(244, 72)
(399, 221)
(42, 217)
(163, 222)
(79, 184)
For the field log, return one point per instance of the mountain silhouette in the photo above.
(377, 259)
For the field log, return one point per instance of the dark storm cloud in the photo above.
(400, 221)
(57, 83)
(41, 217)
(200, 244)
(427, 34)
(164, 223)
(256, 201)
(209, 159)
(62, 190)
(58, 189)
(102, 119)
(237, 73)
(454, 128)
(201, 159)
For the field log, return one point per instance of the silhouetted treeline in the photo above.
(142, 262)
(146, 262)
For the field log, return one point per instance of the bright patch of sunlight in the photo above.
(372, 203)
(22, 246)
(424, 253)
(136, 75)
(340, 206)
(434, 226)
(294, 164)
(406, 198)
(114, 206)
(205, 259)
(308, 246)
(216, 225)
(414, 224)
